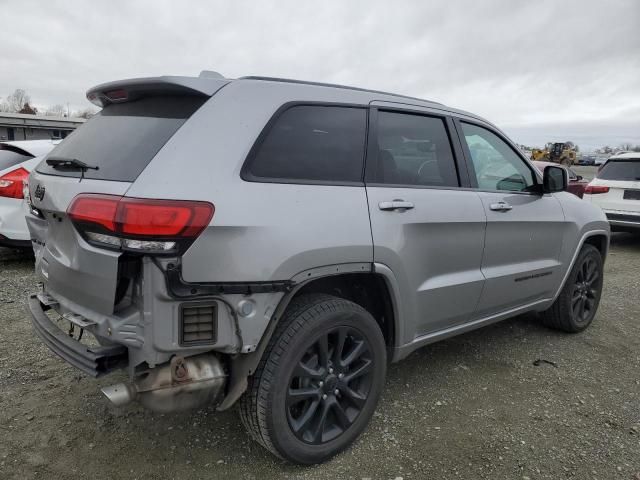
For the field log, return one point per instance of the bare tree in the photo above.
(86, 113)
(626, 146)
(56, 111)
(17, 100)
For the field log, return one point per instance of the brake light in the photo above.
(116, 95)
(595, 189)
(139, 224)
(11, 184)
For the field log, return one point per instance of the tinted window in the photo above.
(625, 170)
(317, 143)
(414, 150)
(123, 138)
(496, 165)
(9, 158)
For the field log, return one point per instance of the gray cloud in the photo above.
(537, 68)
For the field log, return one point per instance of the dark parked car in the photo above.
(587, 160)
(576, 183)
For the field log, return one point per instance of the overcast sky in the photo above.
(540, 69)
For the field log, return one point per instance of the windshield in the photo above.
(625, 170)
(122, 139)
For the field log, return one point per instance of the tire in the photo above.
(293, 383)
(576, 306)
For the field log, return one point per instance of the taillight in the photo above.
(11, 184)
(595, 189)
(139, 224)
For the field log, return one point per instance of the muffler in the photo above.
(182, 384)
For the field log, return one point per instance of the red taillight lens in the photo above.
(595, 189)
(163, 218)
(96, 209)
(138, 223)
(11, 184)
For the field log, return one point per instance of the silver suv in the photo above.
(274, 243)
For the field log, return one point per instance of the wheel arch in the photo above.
(368, 285)
(599, 239)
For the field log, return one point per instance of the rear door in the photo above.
(118, 143)
(426, 228)
(524, 228)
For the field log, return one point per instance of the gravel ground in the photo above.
(471, 407)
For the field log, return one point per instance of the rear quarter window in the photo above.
(123, 138)
(310, 144)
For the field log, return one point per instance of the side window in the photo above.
(496, 165)
(414, 150)
(312, 142)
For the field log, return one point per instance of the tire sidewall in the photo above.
(282, 436)
(587, 252)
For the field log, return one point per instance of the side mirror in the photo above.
(579, 177)
(554, 179)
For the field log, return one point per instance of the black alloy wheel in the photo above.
(329, 385)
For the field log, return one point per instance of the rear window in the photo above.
(122, 139)
(625, 170)
(311, 143)
(9, 158)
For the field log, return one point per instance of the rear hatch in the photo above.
(622, 178)
(139, 117)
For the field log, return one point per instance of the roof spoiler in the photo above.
(122, 91)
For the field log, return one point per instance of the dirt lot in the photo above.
(472, 407)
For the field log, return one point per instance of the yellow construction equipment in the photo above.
(563, 153)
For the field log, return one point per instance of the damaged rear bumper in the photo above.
(93, 360)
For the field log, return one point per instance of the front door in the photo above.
(524, 228)
(425, 228)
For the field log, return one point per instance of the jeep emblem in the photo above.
(39, 193)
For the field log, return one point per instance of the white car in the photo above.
(17, 159)
(616, 189)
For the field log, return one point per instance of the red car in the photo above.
(576, 183)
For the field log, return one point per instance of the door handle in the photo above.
(500, 207)
(395, 205)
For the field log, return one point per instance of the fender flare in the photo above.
(583, 239)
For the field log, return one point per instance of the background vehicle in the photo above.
(563, 153)
(576, 183)
(616, 189)
(587, 159)
(17, 159)
(226, 270)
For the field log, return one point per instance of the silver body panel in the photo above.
(450, 263)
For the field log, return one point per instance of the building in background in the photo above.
(19, 126)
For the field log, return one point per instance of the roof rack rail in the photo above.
(333, 85)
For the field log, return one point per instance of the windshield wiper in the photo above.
(69, 164)
(65, 163)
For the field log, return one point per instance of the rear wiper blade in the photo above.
(69, 164)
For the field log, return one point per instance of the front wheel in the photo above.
(319, 381)
(576, 306)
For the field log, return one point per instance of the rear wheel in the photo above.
(576, 306)
(319, 381)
